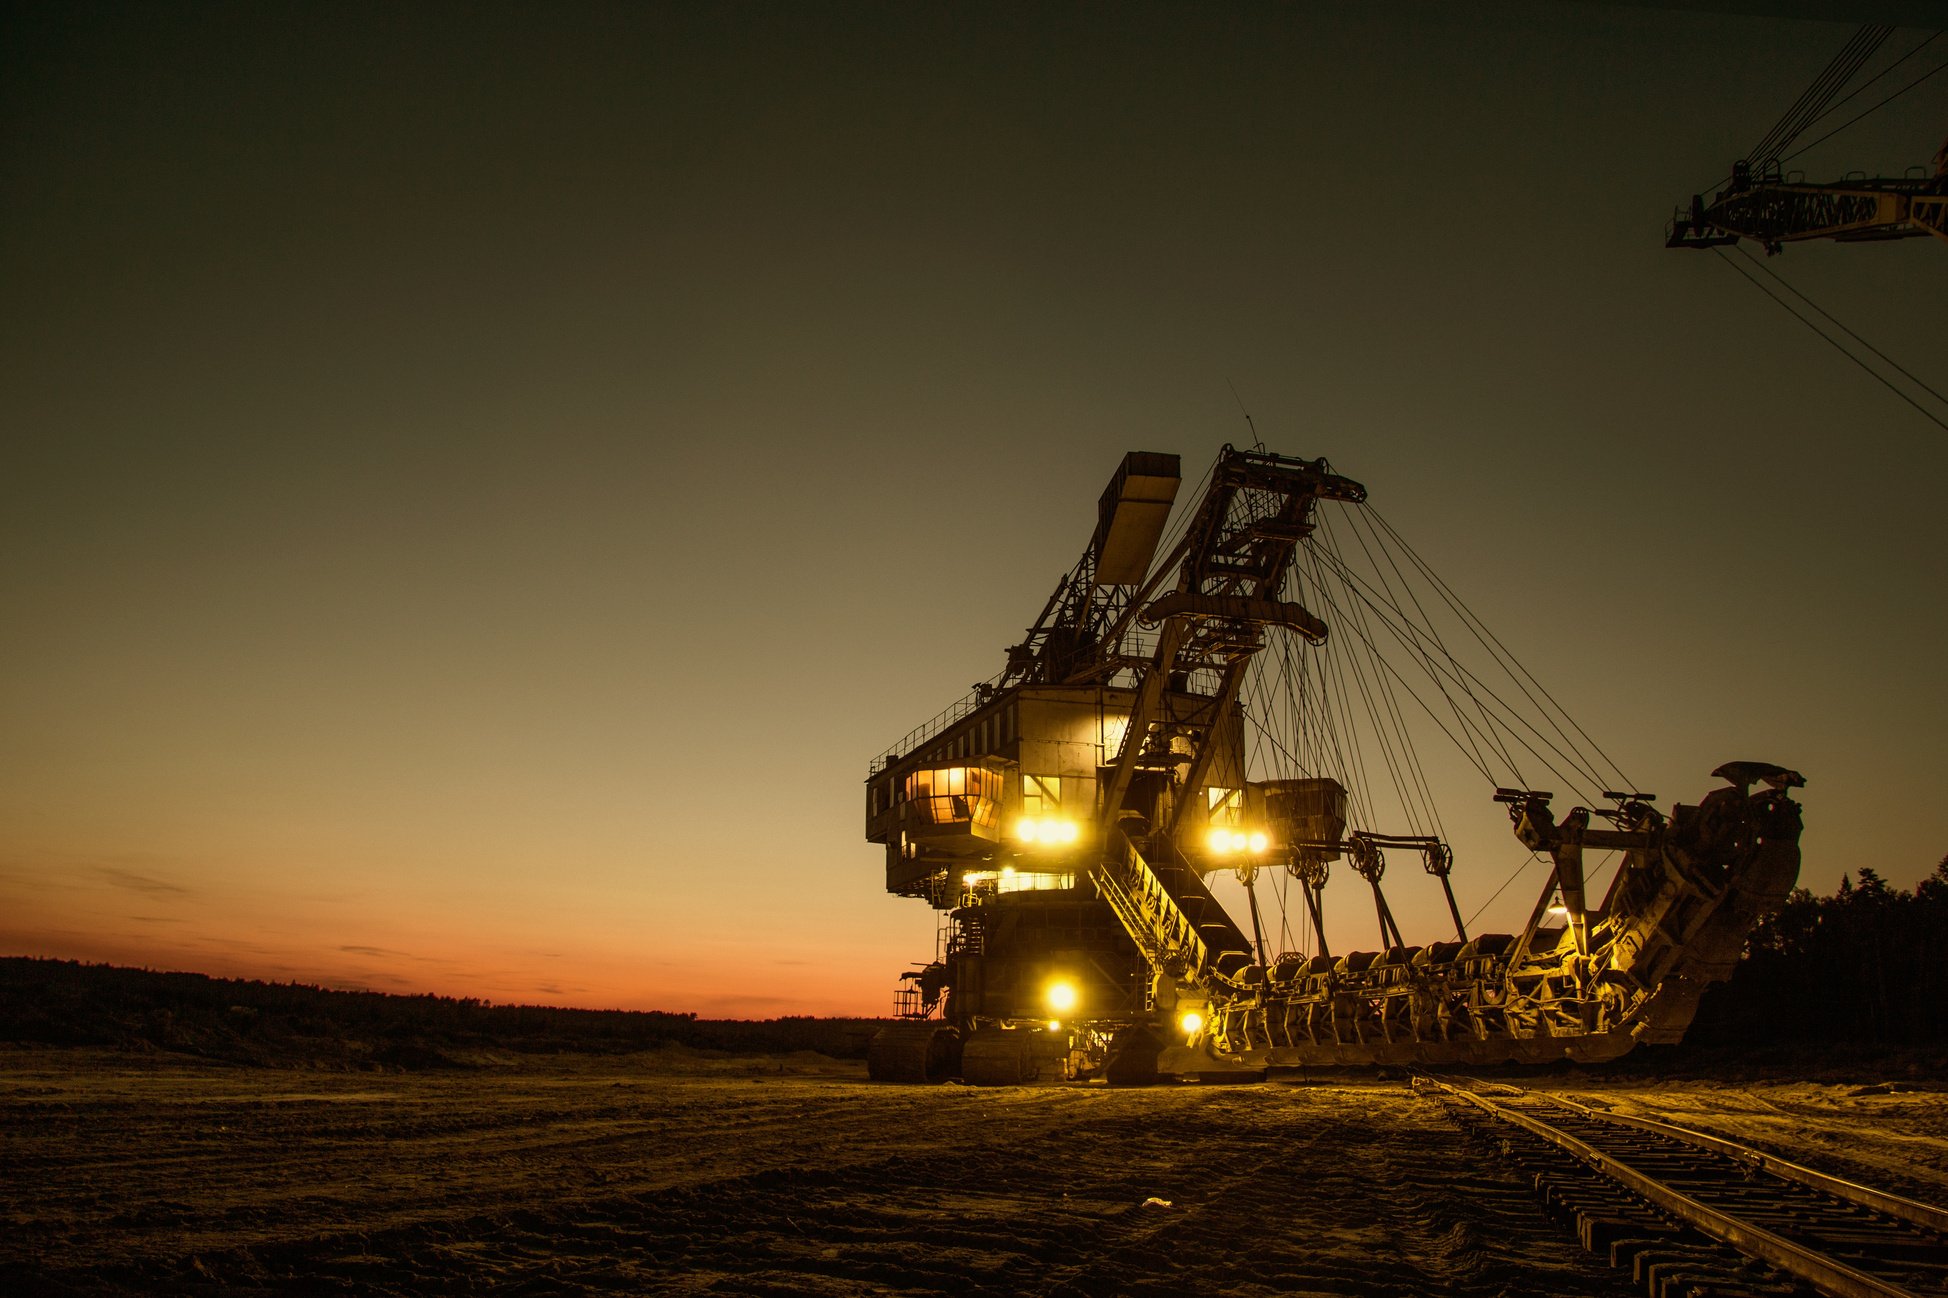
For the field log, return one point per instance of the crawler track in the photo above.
(1695, 1214)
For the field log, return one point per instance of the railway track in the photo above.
(1692, 1215)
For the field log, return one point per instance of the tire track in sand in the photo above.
(604, 1182)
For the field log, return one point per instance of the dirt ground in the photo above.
(1889, 1135)
(678, 1173)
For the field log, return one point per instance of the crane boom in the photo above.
(1772, 210)
(1776, 213)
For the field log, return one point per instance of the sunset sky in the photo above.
(481, 482)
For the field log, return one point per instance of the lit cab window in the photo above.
(945, 795)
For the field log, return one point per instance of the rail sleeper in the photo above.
(1744, 1236)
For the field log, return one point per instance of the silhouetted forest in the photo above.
(1865, 966)
(61, 1002)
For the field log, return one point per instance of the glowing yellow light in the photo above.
(1007, 871)
(1055, 1025)
(1044, 829)
(1238, 840)
(1061, 997)
(1259, 842)
(1219, 841)
(1191, 1022)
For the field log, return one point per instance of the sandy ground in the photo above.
(674, 1173)
(1892, 1136)
(684, 1175)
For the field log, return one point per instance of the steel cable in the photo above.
(1812, 104)
(1585, 770)
(1503, 656)
(1902, 370)
(1932, 72)
(1869, 83)
(1719, 184)
(1434, 634)
(1834, 343)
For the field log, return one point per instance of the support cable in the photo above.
(1722, 181)
(1877, 376)
(1932, 72)
(1780, 280)
(1419, 775)
(1569, 751)
(1395, 764)
(1484, 771)
(1333, 690)
(1427, 665)
(1500, 652)
(1326, 702)
(1395, 747)
(1519, 869)
(1810, 104)
(1584, 770)
(1868, 84)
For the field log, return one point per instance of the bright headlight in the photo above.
(1047, 829)
(1061, 997)
(1191, 1022)
(1259, 842)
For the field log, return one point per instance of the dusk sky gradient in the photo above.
(480, 482)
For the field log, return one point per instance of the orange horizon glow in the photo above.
(133, 911)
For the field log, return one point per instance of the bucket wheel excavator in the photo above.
(1177, 723)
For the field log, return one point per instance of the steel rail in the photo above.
(1829, 1276)
(1894, 1205)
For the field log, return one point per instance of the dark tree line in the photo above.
(1867, 965)
(62, 1002)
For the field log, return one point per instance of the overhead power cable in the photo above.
(1834, 343)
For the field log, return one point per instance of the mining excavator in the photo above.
(1170, 723)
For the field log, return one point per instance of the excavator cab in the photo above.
(954, 808)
